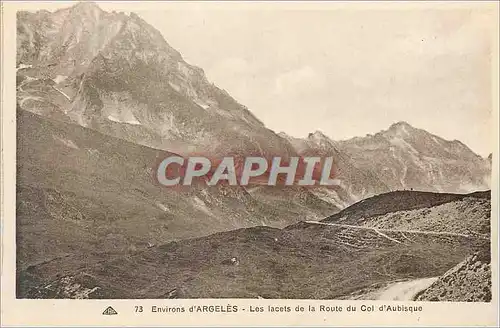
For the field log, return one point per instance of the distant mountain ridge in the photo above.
(401, 158)
(406, 157)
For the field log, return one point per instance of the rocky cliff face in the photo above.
(116, 74)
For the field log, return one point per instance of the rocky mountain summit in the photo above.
(405, 157)
(115, 73)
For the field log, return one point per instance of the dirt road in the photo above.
(404, 290)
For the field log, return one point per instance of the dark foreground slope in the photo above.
(306, 260)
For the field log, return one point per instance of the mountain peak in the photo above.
(86, 6)
(284, 135)
(400, 129)
(87, 11)
(318, 135)
(320, 139)
(401, 125)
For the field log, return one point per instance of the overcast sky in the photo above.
(340, 69)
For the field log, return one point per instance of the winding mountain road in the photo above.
(402, 290)
(380, 231)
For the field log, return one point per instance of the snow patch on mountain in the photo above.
(199, 204)
(59, 78)
(67, 142)
(23, 66)
(402, 144)
(132, 121)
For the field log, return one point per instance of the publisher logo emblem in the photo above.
(109, 311)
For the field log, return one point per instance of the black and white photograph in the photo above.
(213, 151)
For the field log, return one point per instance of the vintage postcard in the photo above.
(203, 163)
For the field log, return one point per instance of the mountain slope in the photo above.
(467, 214)
(305, 260)
(468, 281)
(102, 97)
(83, 193)
(116, 74)
(355, 183)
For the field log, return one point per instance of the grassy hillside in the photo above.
(83, 195)
(413, 210)
(305, 260)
